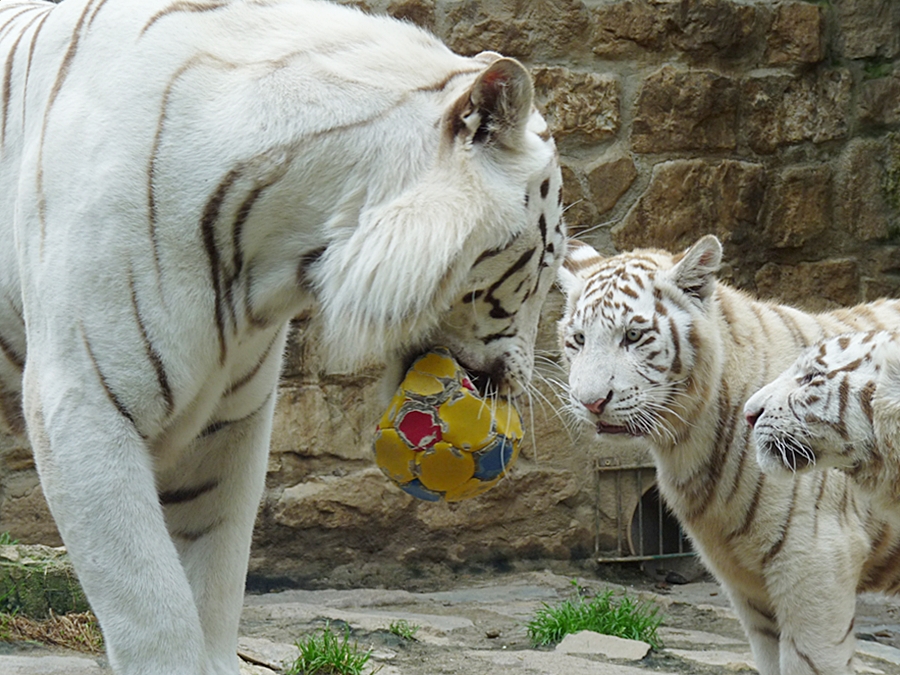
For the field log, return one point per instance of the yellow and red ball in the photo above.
(440, 438)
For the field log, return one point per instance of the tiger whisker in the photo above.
(557, 411)
(593, 228)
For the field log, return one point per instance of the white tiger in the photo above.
(180, 178)
(661, 355)
(837, 405)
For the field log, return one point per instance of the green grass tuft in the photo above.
(6, 539)
(623, 617)
(404, 629)
(329, 654)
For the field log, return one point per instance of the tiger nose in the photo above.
(597, 406)
(752, 416)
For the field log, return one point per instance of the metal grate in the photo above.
(644, 529)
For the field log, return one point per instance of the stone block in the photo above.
(550, 29)
(713, 28)
(882, 286)
(337, 420)
(24, 512)
(813, 286)
(419, 12)
(361, 499)
(645, 30)
(586, 104)
(796, 35)
(688, 198)
(629, 29)
(15, 454)
(522, 498)
(579, 211)
(685, 110)
(861, 207)
(780, 110)
(879, 101)
(800, 207)
(610, 646)
(886, 259)
(868, 28)
(892, 174)
(609, 180)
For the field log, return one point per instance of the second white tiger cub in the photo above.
(837, 405)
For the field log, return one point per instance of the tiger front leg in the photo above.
(210, 504)
(97, 476)
(813, 581)
(761, 627)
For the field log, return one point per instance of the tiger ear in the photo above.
(580, 260)
(695, 273)
(498, 104)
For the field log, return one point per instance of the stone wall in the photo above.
(774, 125)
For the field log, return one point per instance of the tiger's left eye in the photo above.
(806, 378)
(633, 335)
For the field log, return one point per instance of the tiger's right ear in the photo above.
(580, 260)
(695, 272)
(497, 107)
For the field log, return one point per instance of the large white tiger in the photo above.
(661, 355)
(837, 405)
(179, 178)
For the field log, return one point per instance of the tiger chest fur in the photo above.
(179, 179)
(661, 355)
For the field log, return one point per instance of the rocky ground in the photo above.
(476, 626)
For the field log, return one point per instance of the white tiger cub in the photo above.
(662, 355)
(837, 405)
(180, 178)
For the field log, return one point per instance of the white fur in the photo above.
(661, 355)
(180, 179)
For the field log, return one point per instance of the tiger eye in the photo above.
(633, 335)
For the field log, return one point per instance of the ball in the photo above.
(440, 438)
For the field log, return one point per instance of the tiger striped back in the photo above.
(660, 354)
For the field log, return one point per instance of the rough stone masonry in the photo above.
(774, 125)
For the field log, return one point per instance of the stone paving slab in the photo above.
(696, 637)
(532, 662)
(730, 660)
(612, 647)
(879, 651)
(50, 665)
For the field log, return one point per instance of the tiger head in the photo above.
(635, 338)
(821, 411)
(466, 253)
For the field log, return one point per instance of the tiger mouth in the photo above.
(482, 381)
(604, 428)
(791, 453)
